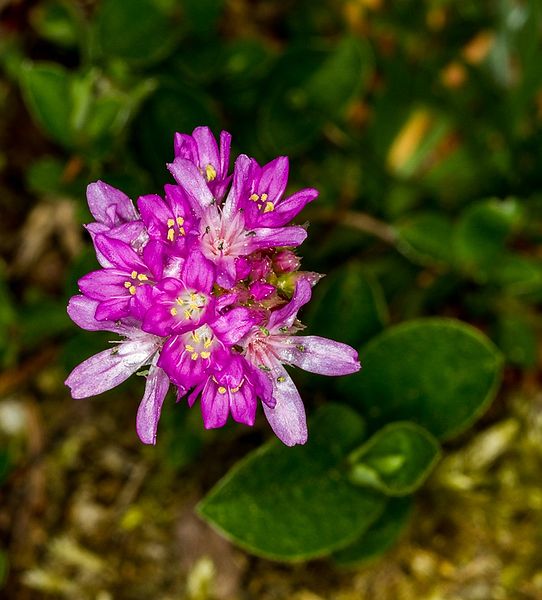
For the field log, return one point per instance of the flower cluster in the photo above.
(203, 286)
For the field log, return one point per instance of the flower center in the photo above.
(135, 278)
(199, 343)
(210, 173)
(189, 305)
(222, 236)
(175, 224)
(262, 202)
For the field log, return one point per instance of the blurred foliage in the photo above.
(420, 124)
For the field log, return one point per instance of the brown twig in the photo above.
(360, 221)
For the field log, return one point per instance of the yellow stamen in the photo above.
(180, 221)
(281, 379)
(205, 354)
(189, 348)
(264, 197)
(234, 390)
(207, 343)
(195, 336)
(188, 313)
(210, 172)
(127, 284)
(170, 235)
(142, 277)
(194, 356)
(269, 206)
(132, 289)
(221, 390)
(181, 231)
(170, 222)
(173, 311)
(179, 301)
(254, 198)
(133, 275)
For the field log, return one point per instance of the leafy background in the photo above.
(420, 123)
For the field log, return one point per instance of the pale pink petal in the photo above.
(149, 410)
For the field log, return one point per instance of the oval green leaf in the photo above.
(296, 503)
(425, 238)
(395, 460)
(380, 536)
(439, 373)
(46, 89)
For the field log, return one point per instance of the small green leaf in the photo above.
(342, 75)
(296, 503)
(425, 238)
(139, 31)
(380, 536)
(481, 233)
(439, 373)
(46, 90)
(400, 456)
(332, 313)
(57, 21)
(518, 339)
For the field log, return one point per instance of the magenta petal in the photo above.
(263, 238)
(109, 368)
(287, 418)
(214, 406)
(235, 324)
(225, 145)
(226, 271)
(148, 413)
(207, 148)
(243, 405)
(320, 355)
(155, 214)
(187, 175)
(285, 316)
(154, 258)
(102, 285)
(119, 253)
(185, 147)
(288, 209)
(109, 205)
(113, 309)
(274, 177)
(82, 311)
(237, 190)
(198, 272)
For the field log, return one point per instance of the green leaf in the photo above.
(439, 373)
(425, 238)
(308, 87)
(58, 22)
(396, 460)
(343, 74)
(296, 503)
(138, 31)
(481, 233)
(518, 339)
(519, 275)
(380, 536)
(332, 313)
(46, 91)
